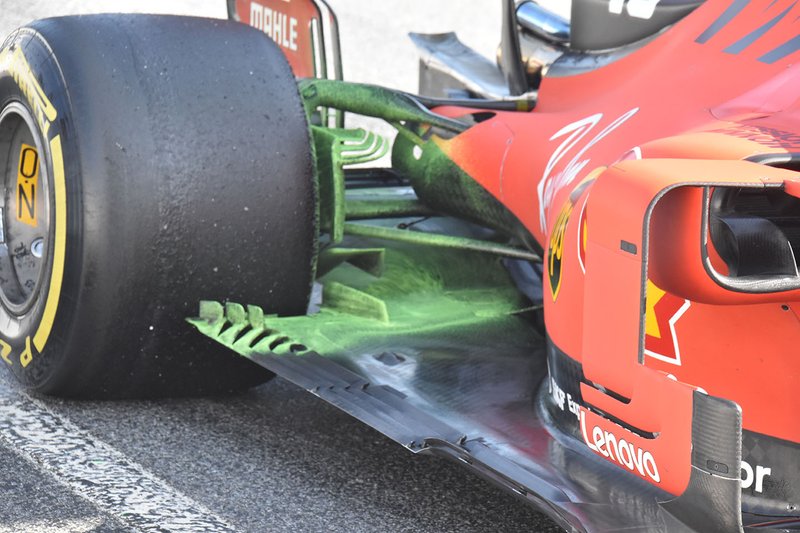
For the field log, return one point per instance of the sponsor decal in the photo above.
(573, 134)
(751, 476)
(763, 135)
(555, 250)
(634, 154)
(278, 25)
(13, 60)
(27, 183)
(583, 228)
(618, 450)
(15, 63)
(555, 254)
(563, 399)
(583, 237)
(662, 311)
(640, 9)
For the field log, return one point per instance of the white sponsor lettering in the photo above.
(551, 184)
(620, 451)
(564, 400)
(641, 9)
(750, 476)
(281, 27)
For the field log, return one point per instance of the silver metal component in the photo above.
(543, 23)
(543, 38)
(538, 54)
(445, 53)
(524, 102)
(573, 63)
(37, 248)
(25, 214)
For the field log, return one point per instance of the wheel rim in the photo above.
(25, 210)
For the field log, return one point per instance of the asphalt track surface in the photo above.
(274, 458)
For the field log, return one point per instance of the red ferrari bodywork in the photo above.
(581, 172)
(290, 25)
(613, 174)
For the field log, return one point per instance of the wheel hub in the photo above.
(24, 210)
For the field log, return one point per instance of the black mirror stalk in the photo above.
(510, 53)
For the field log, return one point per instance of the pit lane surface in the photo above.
(274, 458)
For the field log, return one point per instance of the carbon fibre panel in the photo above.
(476, 398)
(440, 353)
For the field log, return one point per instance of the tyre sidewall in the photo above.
(33, 342)
(176, 191)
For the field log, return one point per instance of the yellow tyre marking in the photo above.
(5, 350)
(59, 247)
(18, 67)
(26, 356)
(45, 112)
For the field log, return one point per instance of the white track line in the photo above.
(98, 472)
(73, 525)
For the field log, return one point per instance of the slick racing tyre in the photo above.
(147, 163)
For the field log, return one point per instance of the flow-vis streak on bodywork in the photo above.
(576, 273)
(666, 208)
